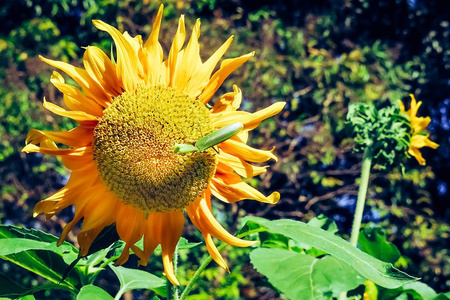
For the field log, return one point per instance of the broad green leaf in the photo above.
(42, 257)
(12, 290)
(131, 279)
(301, 276)
(373, 241)
(32, 239)
(382, 273)
(419, 291)
(271, 240)
(325, 223)
(92, 292)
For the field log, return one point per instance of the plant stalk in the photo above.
(172, 291)
(362, 192)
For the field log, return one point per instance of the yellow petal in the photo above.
(85, 239)
(419, 141)
(130, 226)
(90, 87)
(78, 182)
(416, 153)
(227, 66)
(75, 161)
(420, 124)
(74, 98)
(240, 166)
(199, 210)
(127, 59)
(201, 76)
(77, 137)
(215, 254)
(101, 210)
(190, 60)
(101, 68)
(151, 55)
(234, 190)
(177, 44)
(246, 152)
(171, 230)
(250, 120)
(81, 117)
(228, 102)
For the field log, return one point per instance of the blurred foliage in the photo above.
(319, 56)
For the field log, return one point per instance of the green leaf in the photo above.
(382, 273)
(37, 252)
(419, 291)
(131, 279)
(373, 241)
(271, 240)
(91, 292)
(325, 223)
(301, 276)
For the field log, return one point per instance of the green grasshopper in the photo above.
(210, 140)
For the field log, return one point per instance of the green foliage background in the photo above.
(319, 56)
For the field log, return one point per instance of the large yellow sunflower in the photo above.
(418, 125)
(131, 114)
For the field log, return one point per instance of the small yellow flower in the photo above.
(131, 114)
(418, 125)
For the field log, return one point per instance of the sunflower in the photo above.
(131, 112)
(418, 126)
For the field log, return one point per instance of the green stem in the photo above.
(363, 185)
(199, 272)
(172, 291)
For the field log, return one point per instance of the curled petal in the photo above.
(230, 188)
(77, 137)
(246, 152)
(215, 254)
(229, 102)
(239, 165)
(250, 120)
(200, 211)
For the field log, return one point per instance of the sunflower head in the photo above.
(132, 111)
(419, 138)
(133, 149)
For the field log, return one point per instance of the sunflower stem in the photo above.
(172, 291)
(199, 272)
(362, 192)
